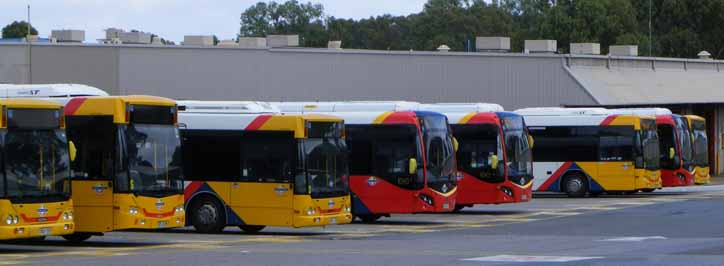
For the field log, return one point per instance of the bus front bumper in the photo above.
(36, 230)
(322, 220)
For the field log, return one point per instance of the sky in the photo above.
(171, 19)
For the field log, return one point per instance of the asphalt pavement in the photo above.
(670, 227)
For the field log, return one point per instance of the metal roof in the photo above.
(650, 81)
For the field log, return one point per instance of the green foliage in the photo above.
(18, 29)
(679, 28)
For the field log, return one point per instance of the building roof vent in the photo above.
(492, 44)
(586, 48)
(68, 35)
(275, 41)
(704, 55)
(623, 50)
(541, 46)
(443, 48)
(252, 42)
(334, 45)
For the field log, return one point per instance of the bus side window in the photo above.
(268, 156)
(94, 137)
(616, 143)
(121, 169)
(211, 155)
(2, 165)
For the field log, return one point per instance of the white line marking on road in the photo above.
(634, 238)
(524, 258)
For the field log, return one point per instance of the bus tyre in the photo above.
(77, 237)
(251, 228)
(575, 185)
(207, 215)
(369, 218)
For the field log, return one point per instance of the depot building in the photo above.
(276, 69)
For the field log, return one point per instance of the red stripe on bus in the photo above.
(73, 105)
(157, 215)
(608, 120)
(555, 176)
(191, 189)
(258, 122)
(329, 211)
(40, 219)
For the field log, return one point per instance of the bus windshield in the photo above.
(36, 164)
(667, 141)
(701, 143)
(326, 160)
(440, 153)
(519, 158)
(649, 143)
(384, 151)
(687, 149)
(477, 145)
(154, 159)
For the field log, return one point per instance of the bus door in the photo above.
(616, 169)
(265, 194)
(93, 170)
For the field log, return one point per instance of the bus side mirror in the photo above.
(493, 161)
(412, 166)
(531, 141)
(456, 144)
(672, 153)
(72, 151)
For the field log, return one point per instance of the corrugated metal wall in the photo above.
(513, 81)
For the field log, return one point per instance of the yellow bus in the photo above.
(127, 174)
(35, 162)
(697, 124)
(247, 165)
(589, 151)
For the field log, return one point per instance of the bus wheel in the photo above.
(369, 218)
(251, 228)
(207, 215)
(77, 237)
(575, 185)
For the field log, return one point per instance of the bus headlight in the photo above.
(347, 209)
(310, 211)
(66, 216)
(16, 220)
(9, 220)
(70, 215)
(133, 210)
(179, 209)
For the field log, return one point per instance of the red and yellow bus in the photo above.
(674, 145)
(35, 161)
(589, 151)
(698, 128)
(494, 157)
(401, 160)
(249, 166)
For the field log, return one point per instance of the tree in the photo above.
(291, 17)
(18, 29)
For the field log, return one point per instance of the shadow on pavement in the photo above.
(396, 222)
(90, 243)
(190, 231)
(489, 212)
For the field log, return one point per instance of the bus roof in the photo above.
(463, 107)
(228, 107)
(642, 111)
(350, 106)
(560, 111)
(48, 90)
(29, 103)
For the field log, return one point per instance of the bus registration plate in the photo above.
(333, 220)
(446, 205)
(44, 231)
(162, 224)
